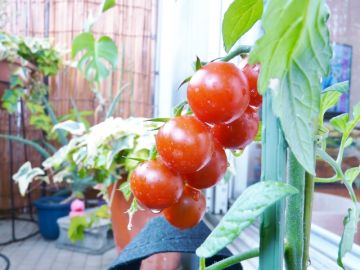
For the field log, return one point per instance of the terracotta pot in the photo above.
(123, 236)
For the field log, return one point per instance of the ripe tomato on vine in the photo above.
(218, 93)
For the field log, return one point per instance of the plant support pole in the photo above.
(273, 169)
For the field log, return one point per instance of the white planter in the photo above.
(97, 240)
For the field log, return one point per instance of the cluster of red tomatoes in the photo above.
(224, 100)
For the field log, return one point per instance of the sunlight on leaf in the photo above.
(238, 19)
(248, 206)
(297, 52)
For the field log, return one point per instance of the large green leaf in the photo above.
(238, 19)
(250, 204)
(294, 53)
(97, 55)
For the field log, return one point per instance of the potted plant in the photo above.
(10, 61)
(103, 157)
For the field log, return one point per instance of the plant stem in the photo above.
(295, 216)
(333, 179)
(273, 168)
(234, 259)
(238, 51)
(309, 194)
(202, 263)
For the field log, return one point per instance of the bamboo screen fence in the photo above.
(131, 24)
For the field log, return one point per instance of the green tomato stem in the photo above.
(308, 203)
(234, 259)
(295, 216)
(236, 52)
(333, 179)
(202, 264)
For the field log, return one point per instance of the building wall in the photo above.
(345, 28)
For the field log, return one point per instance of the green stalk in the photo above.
(34, 145)
(234, 260)
(295, 216)
(62, 137)
(273, 168)
(309, 194)
(236, 52)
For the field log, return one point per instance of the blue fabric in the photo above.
(160, 237)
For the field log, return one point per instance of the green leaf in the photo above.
(351, 174)
(42, 151)
(185, 81)
(288, 41)
(74, 128)
(25, 176)
(96, 55)
(126, 142)
(197, 64)
(107, 4)
(340, 122)
(77, 227)
(115, 102)
(160, 119)
(294, 53)
(125, 189)
(179, 108)
(238, 19)
(103, 212)
(342, 87)
(249, 205)
(347, 238)
(356, 112)
(328, 100)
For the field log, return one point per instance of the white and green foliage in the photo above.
(104, 148)
(25, 175)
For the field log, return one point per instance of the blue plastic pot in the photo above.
(49, 210)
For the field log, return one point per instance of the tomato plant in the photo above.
(294, 53)
(218, 93)
(212, 172)
(188, 211)
(238, 134)
(155, 186)
(185, 144)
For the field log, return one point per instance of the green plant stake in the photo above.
(273, 167)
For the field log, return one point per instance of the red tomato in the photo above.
(188, 211)
(155, 186)
(213, 171)
(185, 144)
(239, 133)
(252, 73)
(218, 93)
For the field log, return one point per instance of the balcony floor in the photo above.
(38, 254)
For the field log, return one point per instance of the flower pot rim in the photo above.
(43, 203)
